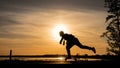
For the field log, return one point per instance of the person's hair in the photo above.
(61, 33)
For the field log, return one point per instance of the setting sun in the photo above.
(57, 29)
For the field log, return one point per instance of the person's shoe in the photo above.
(93, 49)
(67, 58)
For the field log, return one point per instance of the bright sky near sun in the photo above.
(32, 26)
(57, 29)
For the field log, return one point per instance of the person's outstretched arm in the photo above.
(61, 40)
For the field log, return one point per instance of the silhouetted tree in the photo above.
(112, 33)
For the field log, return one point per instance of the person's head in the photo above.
(61, 33)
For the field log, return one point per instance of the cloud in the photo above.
(6, 21)
(19, 5)
(15, 35)
(10, 27)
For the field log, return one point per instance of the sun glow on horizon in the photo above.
(57, 29)
(61, 58)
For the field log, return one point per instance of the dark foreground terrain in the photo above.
(60, 64)
(57, 62)
(104, 61)
(100, 62)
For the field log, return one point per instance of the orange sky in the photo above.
(33, 30)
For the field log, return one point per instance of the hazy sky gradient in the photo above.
(26, 25)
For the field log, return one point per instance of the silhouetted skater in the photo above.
(70, 41)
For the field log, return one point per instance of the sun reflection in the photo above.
(61, 58)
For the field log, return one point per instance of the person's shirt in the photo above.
(68, 37)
